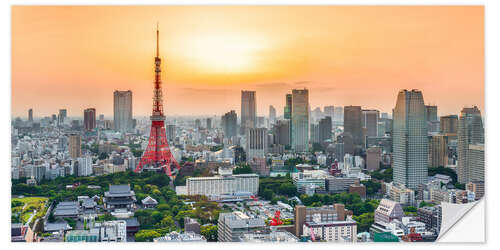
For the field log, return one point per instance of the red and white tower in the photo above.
(157, 156)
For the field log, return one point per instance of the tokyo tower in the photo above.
(157, 156)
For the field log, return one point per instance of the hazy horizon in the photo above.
(74, 57)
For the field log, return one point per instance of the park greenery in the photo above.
(168, 216)
(23, 209)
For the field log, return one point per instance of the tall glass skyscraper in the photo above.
(248, 110)
(410, 142)
(122, 110)
(470, 132)
(300, 120)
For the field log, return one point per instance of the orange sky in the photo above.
(75, 57)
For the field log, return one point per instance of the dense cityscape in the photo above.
(331, 174)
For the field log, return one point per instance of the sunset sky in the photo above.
(75, 57)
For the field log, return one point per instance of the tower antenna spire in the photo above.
(157, 40)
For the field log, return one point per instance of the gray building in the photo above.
(410, 142)
(352, 124)
(300, 120)
(231, 226)
(470, 131)
(229, 124)
(248, 110)
(257, 142)
(122, 110)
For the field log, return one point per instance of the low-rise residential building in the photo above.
(272, 237)
(331, 231)
(181, 237)
(387, 211)
(232, 225)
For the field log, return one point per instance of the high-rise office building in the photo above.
(30, 115)
(352, 124)
(89, 122)
(197, 123)
(431, 113)
(272, 114)
(248, 110)
(281, 133)
(84, 166)
(288, 114)
(170, 133)
(300, 120)
(369, 121)
(256, 143)
(288, 107)
(449, 124)
(314, 133)
(338, 114)
(325, 129)
(432, 118)
(62, 117)
(329, 111)
(438, 150)
(475, 158)
(209, 123)
(75, 149)
(122, 110)
(229, 124)
(470, 132)
(410, 142)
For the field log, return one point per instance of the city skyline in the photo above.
(439, 50)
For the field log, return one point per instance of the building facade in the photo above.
(248, 110)
(89, 121)
(470, 132)
(410, 142)
(300, 120)
(122, 110)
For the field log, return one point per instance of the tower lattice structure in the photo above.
(157, 155)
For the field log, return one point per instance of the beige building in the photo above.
(75, 148)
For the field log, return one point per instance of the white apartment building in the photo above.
(332, 231)
(218, 185)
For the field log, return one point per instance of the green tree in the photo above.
(146, 235)
(267, 194)
(243, 169)
(209, 232)
(287, 189)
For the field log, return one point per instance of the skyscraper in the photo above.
(300, 120)
(209, 123)
(470, 132)
(122, 110)
(256, 143)
(410, 142)
(30, 115)
(272, 114)
(281, 132)
(287, 113)
(75, 149)
(352, 124)
(325, 129)
(62, 117)
(449, 124)
(248, 110)
(432, 118)
(170, 133)
(89, 122)
(329, 111)
(431, 113)
(338, 114)
(438, 150)
(229, 124)
(369, 121)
